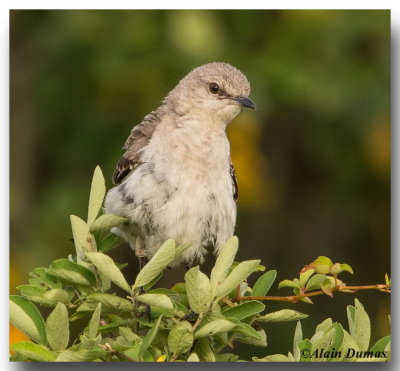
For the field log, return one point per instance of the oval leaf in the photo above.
(198, 290)
(315, 281)
(26, 317)
(106, 222)
(164, 256)
(57, 327)
(180, 338)
(68, 271)
(109, 302)
(204, 350)
(156, 300)
(193, 358)
(32, 293)
(81, 355)
(53, 296)
(237, 276)
(224, 261)
(80, 232)
(244, 310)
(361, 328)
(33, 351)
(283, 315)
(107, 267)
(214, 327)
(264, 283)
(97, 193)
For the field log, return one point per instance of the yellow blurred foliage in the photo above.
(196, 33)
(257, 189)
(377, 146)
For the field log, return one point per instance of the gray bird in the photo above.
(176, 179)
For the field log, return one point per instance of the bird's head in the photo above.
(217, 89)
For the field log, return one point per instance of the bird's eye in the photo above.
(214, 88)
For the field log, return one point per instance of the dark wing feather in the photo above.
(235, 187)
(137, 140)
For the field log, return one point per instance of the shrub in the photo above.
(195, 321)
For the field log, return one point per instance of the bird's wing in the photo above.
(235, 188)
(137, 140)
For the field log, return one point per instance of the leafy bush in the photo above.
(196, 320)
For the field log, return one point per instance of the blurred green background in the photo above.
(313, 161)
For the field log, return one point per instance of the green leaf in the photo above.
(237, 276)
(226, 357)
(33, 351)
(327, 286)
(247, 331)
(330, 339)
(347, 268)
(283, 315)
(305, 355)
(156, 300)
(214, 327)
(42, 279)
(322, 264)
(204, 350)
(26, 317)
(298, 336)
(57, 327)
(149, 338)
(164, 256)
(32, 293)
(106, 222)
(360, 325)
(248, 335)
(264, 283)
(315, 281)
(93, 327)
(179, 288)
(81, 355)
(348, 343)
(71, 272)
(224, 262)
(133, 353)
(97, 193)
(180, 338)
(193, 357)
(128, 334)
(244, 310)
(288, 283)
(198, 290)
(150, 284)
(323, 325)
(83, 242)
(53, 296)
(107, 267)
(272, 358)
(305, 276)
(108, 301)
(381, 344)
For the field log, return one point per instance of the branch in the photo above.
(296, 298)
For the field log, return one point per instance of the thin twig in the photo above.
(199, 318)
(296, 298)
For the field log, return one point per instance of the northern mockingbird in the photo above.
(176, 179)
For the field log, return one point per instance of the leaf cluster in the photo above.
(332, 343)
(198, 320)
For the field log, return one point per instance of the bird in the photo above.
(176, 179)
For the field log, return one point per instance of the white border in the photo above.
(205, 4)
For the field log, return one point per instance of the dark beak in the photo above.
(245, 102)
